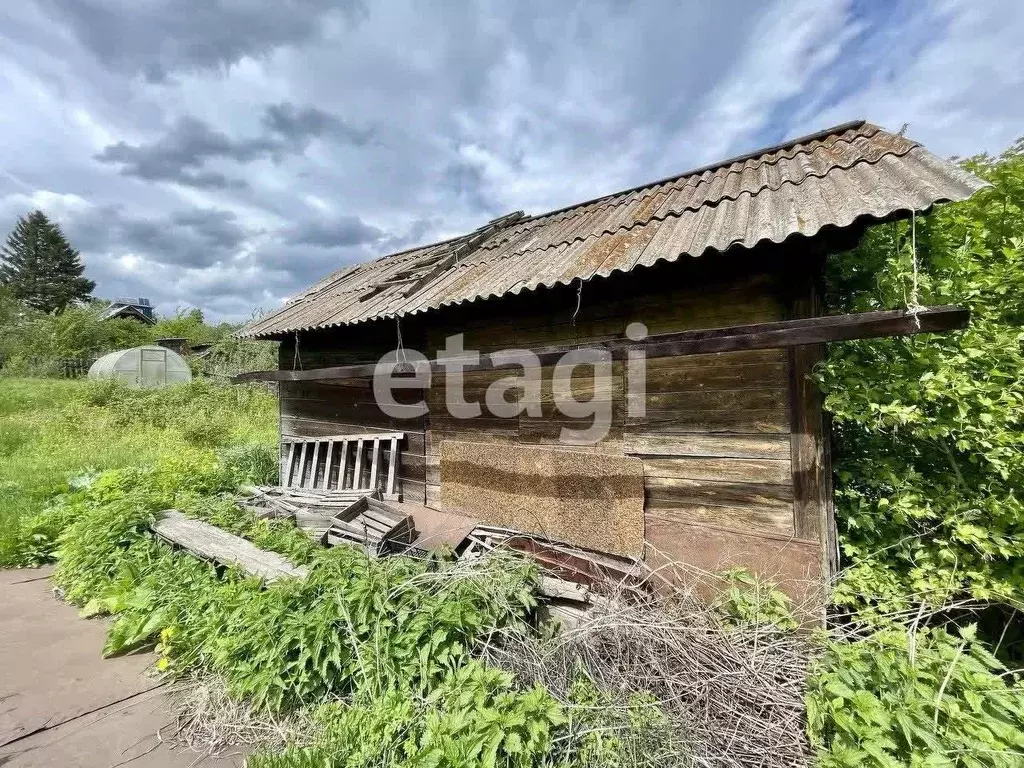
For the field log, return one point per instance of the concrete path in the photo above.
(61, 703)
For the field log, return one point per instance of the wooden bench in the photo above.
(361, 464)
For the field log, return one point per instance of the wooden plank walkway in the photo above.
(211, 543)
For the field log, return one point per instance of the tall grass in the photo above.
(52, 431)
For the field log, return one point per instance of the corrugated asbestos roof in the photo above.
(828, 179)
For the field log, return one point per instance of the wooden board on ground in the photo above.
(211, 543)
(587, 499)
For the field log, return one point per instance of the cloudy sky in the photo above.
(226, 153)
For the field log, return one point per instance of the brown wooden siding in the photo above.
(715, 440)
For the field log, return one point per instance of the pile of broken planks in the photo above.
(573, 580)
(311, 510)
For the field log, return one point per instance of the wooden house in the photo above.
(724, 461)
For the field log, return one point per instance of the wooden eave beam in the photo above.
(784, 333)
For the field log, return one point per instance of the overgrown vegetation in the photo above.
(393, 639)
(56, 431)
(906, 693)
(37, 343)
(929, 465)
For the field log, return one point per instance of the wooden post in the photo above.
(343, 465)
(357, 470)
(327, 464)
(374, 463)
(813, 515)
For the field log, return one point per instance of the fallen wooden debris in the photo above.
(572, 580)
(372, 524)
(311, 510)
(211, 543)
(553, 587)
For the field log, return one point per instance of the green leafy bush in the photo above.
(919, 697)
(929, 428)
(474, 716)
(928, 468)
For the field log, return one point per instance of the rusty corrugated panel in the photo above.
(830, 179)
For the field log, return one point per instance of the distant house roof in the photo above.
(832, 179)
(129, 311)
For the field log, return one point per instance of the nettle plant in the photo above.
(921, 698)
(929, 429)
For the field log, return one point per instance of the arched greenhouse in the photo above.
(148, 366)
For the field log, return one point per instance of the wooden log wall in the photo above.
(348, 407)
(722, 439)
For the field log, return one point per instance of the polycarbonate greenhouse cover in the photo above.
(147, 366)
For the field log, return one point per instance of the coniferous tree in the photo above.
(39, 266)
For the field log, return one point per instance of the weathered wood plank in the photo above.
(211, 543)
(312, 470)
(680, 492)
(357, 468)
(374, 463)
(709, 445)
(723, 360)
(771, 471)
(783, 333)
(765, 519)
(287, 479)
(738, 421)
(392, 462)
(696, 402)
(302, 467)
(343, 465)
(664, 379)
(327, 464)
(366, 414)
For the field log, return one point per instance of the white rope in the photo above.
(400, 348)
(297, 360)
(914, 306)
(579, 301)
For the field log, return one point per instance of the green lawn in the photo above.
(53, 429)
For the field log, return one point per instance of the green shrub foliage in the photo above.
(923, 697)
(929, 429)
(929, 465)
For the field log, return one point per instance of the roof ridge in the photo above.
(849, 125)
(697, 174)
(690, 205)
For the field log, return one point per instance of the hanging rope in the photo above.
(399, 347)
(579, 301)
(913, 305)
(297, 360)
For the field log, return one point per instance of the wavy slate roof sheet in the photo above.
(829, 179)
